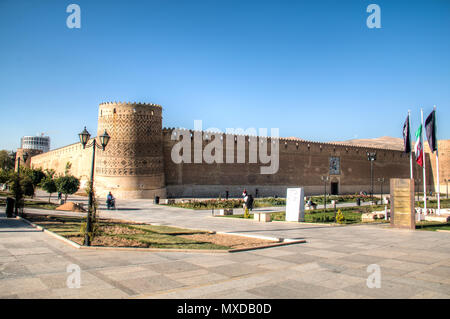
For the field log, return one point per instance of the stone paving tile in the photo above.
(301, 258)
(270, 263)
(362, 259)
(47, 268)
(209, 261)
(172, 267)
(202, 279)
(20, 285)
(341, 294)
(7, 259)
(106, 293)
(428, 285)
(276, 292)
(384, 253)
(187, 274)
(125, 273)
(443, 271)
(326, 254)
(342, 281)
(313, 266)
(235, 270)
(29, 251)
(429, 276)
(230, 294)
(306, 289)
(416, 258)
(315, 276)
(13, 270)
(426, 294)
(388, 290)
(400, 265)
(151, 284)
(5, 253)
(270, 252)
(290, 289)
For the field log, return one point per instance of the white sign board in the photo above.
(295, 205)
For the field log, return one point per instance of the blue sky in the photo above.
(313, 69)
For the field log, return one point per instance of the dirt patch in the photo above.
(119, 230)
(232, 241)
(71, 207)
(109, 241)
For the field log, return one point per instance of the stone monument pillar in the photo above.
(402, 203)
(295, 205)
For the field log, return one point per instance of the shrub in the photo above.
(340, 217)
(48, 184)
(67, 185)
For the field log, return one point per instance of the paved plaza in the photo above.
(331, 264)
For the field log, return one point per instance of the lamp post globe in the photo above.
(104, 139)
(84, 137)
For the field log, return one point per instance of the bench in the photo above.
(225, 212)
(263, 217)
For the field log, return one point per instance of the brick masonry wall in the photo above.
(301, 164)
(137, 163)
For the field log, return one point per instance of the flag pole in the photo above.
(437, 169)
(410, 152)
(423, 164)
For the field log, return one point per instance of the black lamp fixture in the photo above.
(84, 137)
(104, 139)
(371, 156)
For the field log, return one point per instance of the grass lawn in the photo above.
(352, 215)
(33, 204)
(432, 226)
(445, 203)
(110, 233)
(207, 204)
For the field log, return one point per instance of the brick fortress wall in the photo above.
(301, 163)
(137, 162)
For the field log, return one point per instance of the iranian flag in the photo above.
(418, 148)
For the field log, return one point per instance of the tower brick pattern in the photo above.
(132, 164)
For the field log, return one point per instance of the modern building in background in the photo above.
(41, 143)
(32, 145)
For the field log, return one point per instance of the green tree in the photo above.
(67, 185)
(48, 184)
(5, 176)
(16, 188)
(27, 185)
(35, 176)
(6, 160)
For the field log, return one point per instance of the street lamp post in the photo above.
(371, 156)
(84, 139)
(325, 179)
(381, 181)
(25, 157)
(418, 189)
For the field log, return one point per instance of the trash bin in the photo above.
(156, 201)
(10, 206)
(358, 201)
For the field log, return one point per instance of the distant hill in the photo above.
(394, 143)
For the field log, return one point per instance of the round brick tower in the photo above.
(132, 164)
